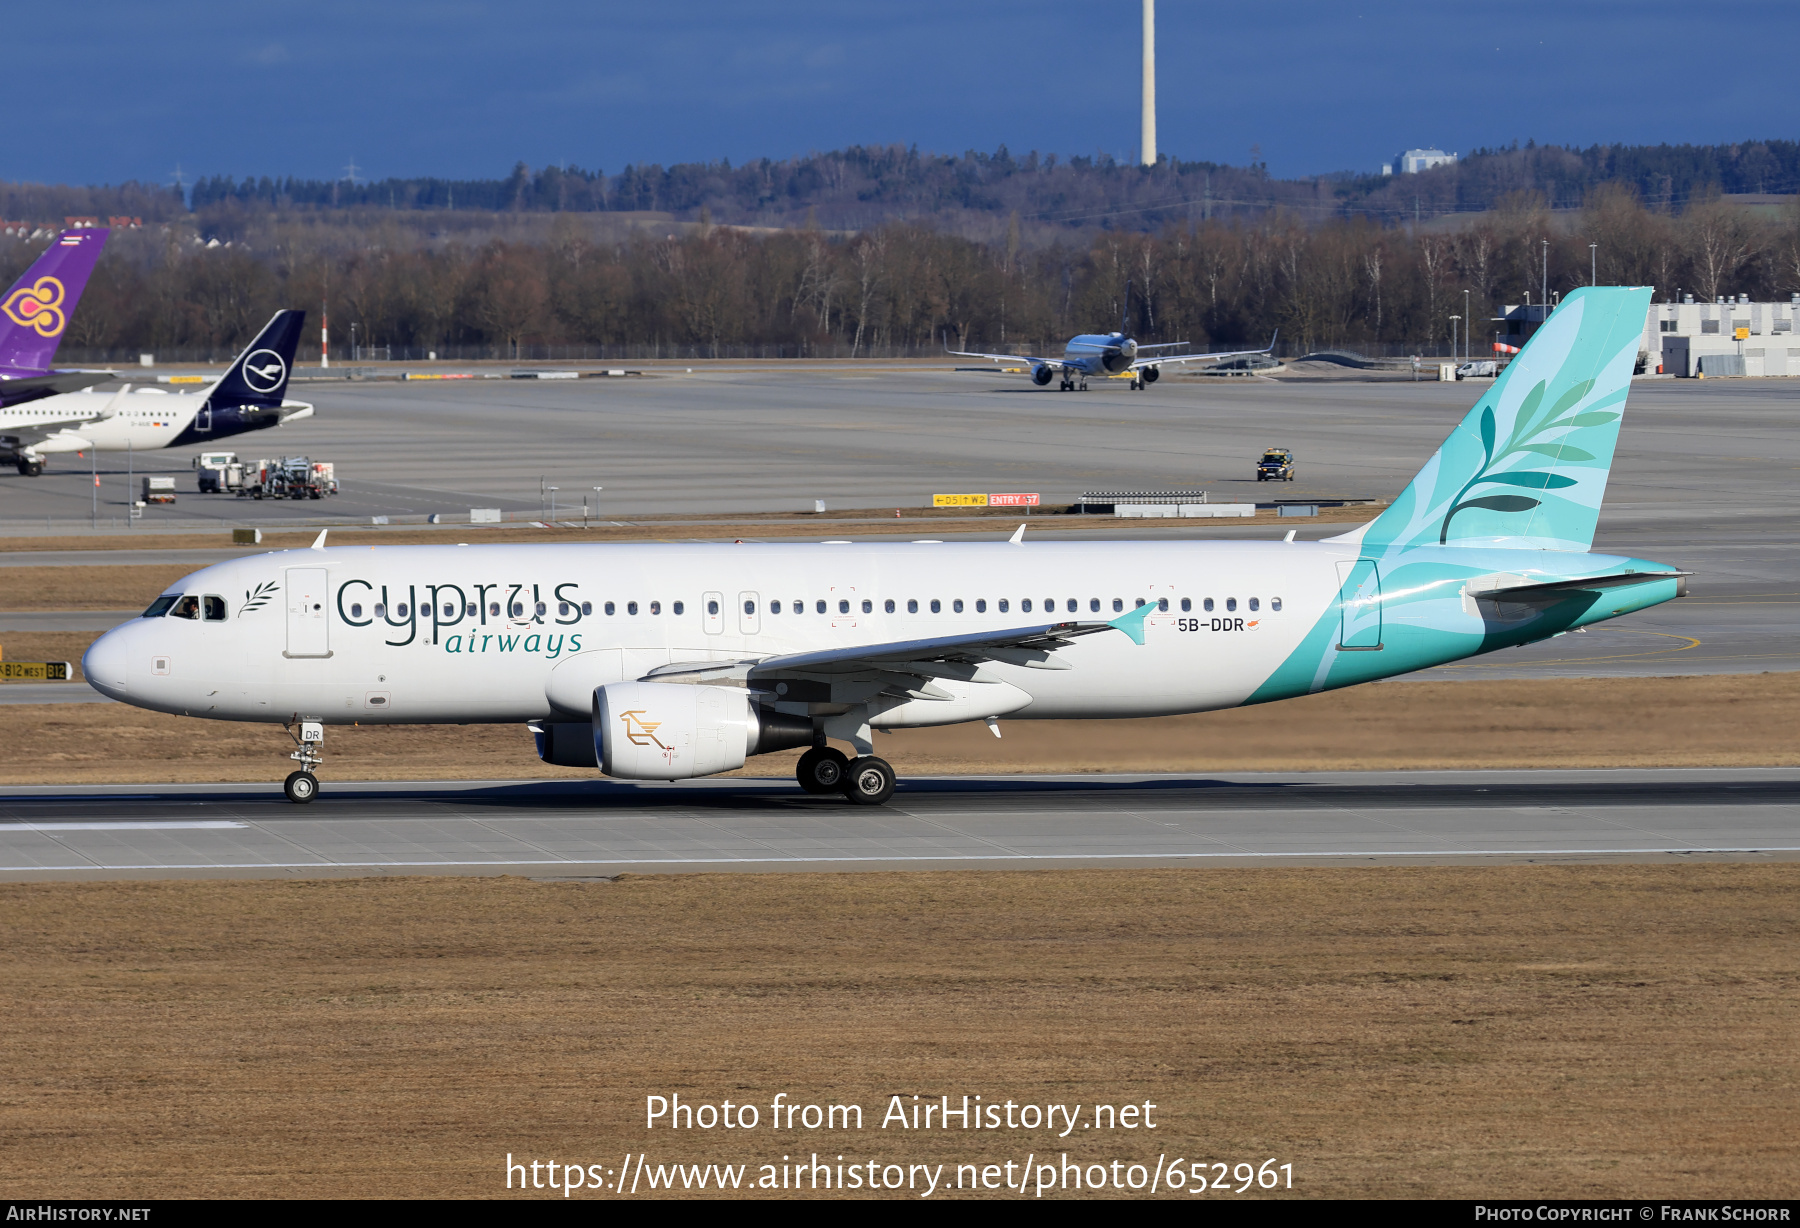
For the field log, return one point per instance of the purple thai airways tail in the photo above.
(36, 311)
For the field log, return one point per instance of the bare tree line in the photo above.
(901, 285)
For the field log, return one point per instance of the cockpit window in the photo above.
(186, 607)
(161, 605)
(215, 609)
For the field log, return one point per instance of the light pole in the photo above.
(597, 491)
(1468, 330)
(553, 491)
(1593, 264)
(1544, 284)
(1453, 320)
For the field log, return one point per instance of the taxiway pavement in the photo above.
(598, 828)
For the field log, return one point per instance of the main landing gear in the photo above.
(302, 786)
(866, 781)
(1070, 384)
(30, 467)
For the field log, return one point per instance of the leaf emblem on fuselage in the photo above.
(255, 599)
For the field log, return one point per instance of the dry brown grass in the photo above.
(1717, 721)
(1602, 1032)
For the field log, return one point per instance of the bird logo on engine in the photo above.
(639, 731)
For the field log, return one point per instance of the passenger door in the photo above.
(749, 613)
(307, 632)
(712, 612)
(1359, 598)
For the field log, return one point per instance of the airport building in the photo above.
(1729, 336)
(1415, 160)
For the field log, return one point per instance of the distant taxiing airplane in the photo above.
(1105, 355)
(249, 396)
(666, 661)
(35, 314)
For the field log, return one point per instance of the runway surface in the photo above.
(600, 828)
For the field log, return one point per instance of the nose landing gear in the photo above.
(302, 786)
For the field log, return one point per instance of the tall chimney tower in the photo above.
(1147, 142)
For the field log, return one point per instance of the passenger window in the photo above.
(656, 607)
(1231, 603)
(541, 609)
(356, 609)
(819, 606)
(450, 610)
(1073, 605)
(843, 607)
(676, 607)
(937, 607)
(401, 611)
(380, 610)
(1025, 605)
(1138, 604)
(981, 605)
(493, 609)
(799, 607)
(215, 609)
(1003, 604)
(187, 607)
(1253, 603)
(956, 606)
(868, 606)
(562, 608)
(1207, 605)
(1162, 603)
(912, 605)
(1118, 604)
(609, 609)
(774, 607)
(631, 607)
(469, 610)
(1094, 605)
(1187, 603)
(712, 607)
(749, 608)
(888, 605)
(161, 605)
(1275, 604)
(518, 610)
(1049, 605)
(587, 608)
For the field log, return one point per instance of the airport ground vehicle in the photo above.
(294, 477)
(1276, 465)
(1482, 367)
(159, 490)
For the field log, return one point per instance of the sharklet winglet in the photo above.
(1018, 537)
(1132, 623)
(319, 541)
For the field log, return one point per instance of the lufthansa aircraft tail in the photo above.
(1527, 467)
(259, 377)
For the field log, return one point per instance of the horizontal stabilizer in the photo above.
(1555, 590)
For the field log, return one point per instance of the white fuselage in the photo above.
(140, 420)
(459, 636)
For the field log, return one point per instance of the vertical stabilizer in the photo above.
(260, 374)
(36, 310)
(1527, 468)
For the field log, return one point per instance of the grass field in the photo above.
(1610, 1031)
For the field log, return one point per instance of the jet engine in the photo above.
(1042, 374)
(1150, 374)
(673, 731)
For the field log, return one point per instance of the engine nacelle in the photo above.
(673, 731)
(1150, 374)
(1042, 374)
(565, 743)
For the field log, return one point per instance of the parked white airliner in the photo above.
(663, 662)
(250, 395)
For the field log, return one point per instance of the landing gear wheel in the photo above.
(821, 770)
(869, 781)
(301, 787)
(31, 469)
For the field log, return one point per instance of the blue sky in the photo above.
(465, 89)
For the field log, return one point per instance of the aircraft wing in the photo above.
(37, 387)
(1141, 363)
(1055, 364)
(951, 656)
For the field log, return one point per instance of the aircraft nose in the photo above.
(105, 661)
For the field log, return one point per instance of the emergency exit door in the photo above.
(1359, 603)
(306, 608)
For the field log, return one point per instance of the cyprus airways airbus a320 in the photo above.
(664, 662)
